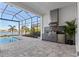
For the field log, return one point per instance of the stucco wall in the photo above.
(46, 20)
(67, 14)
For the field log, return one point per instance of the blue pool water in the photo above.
(7, 40)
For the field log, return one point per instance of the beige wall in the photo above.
(67, 14)
(46, 20)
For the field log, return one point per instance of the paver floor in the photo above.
(32, 47)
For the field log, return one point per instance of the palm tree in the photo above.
(70, 29)
(24, 29)
(12, 28)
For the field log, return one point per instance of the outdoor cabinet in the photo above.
(54, 37)
(49, 37)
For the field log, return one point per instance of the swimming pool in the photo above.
(6, 40)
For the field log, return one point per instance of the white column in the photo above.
(19, 27)
(41, 26)
(77, 30)
(45, 20)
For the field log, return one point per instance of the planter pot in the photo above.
(70, 42)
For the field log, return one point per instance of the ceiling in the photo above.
(41, 8)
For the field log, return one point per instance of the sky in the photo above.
(5, 24)
(22, 15)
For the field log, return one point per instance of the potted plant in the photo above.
(70, 32)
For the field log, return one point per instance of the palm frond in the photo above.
(10, 25)
(13, 26)
(70, 28)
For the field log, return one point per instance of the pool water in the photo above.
(5, 40)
